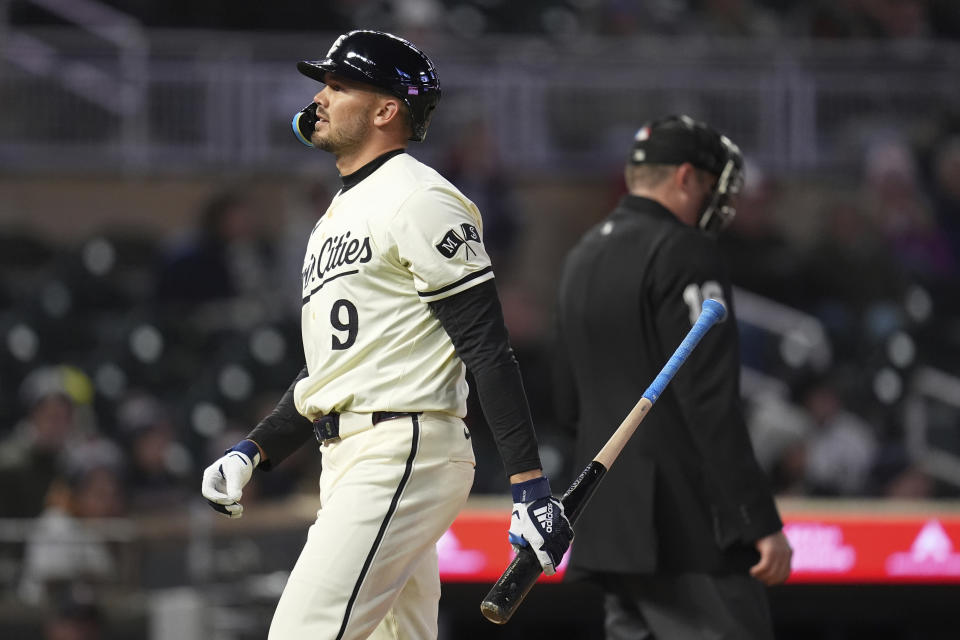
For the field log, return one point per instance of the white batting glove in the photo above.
(538, 520)
(224, 480)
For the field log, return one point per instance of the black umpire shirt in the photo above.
(686, 494)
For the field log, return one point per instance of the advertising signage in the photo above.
(836, 546)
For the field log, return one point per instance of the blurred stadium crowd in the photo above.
(562, 18)
(129, 361)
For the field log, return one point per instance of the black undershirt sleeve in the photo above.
(474, 321)
(284, 430)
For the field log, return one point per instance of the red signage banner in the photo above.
(829, 547)
(877, 549)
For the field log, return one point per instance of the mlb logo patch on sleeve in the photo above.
(452, 241)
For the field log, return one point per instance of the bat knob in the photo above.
(714, 309)
(494, 613)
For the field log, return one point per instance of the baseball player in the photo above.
(398, 300)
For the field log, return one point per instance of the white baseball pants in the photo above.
(369, 566)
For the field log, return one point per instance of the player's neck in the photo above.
(352, 161)
(351, 180)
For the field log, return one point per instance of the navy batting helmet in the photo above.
(388, 62)
(679, 139)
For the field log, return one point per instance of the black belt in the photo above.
(328, 427)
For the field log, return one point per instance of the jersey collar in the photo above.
(645, 205)
(353, 179)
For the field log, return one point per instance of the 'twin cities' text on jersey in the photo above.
(378, 255)
(334, 252)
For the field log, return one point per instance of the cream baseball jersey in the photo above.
(400, 238)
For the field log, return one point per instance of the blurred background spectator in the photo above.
(226, 258)
(76, 617)
(64, 547)
(474, 165)
(840, 446)
(158, 467)
(34, 453)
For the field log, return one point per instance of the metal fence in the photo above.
(186, 101)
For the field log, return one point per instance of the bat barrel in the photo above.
(512, 587)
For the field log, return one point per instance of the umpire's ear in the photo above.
(685, 178)
(688, 194)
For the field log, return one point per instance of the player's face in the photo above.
(344, 115)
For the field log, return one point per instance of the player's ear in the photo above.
(388, 111)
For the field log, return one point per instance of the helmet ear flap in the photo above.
(421, 110)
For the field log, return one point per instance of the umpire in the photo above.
(684, 535)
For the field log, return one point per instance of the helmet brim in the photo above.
(316, 69)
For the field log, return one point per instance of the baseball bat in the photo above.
(519, 577)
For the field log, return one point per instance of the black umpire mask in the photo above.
(719, 209)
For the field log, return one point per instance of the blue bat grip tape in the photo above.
(711, 313)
